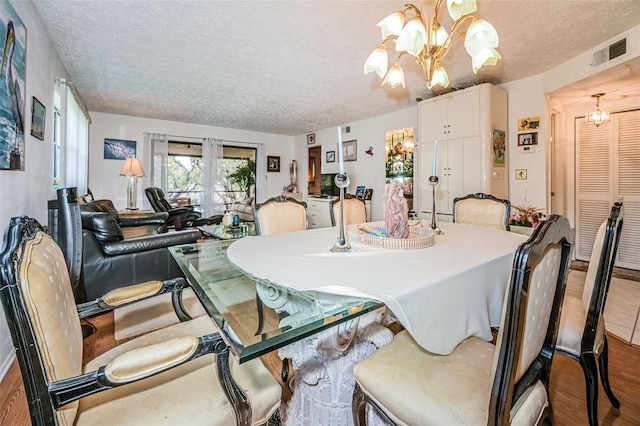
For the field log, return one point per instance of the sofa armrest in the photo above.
(159, 218)
(150, 242)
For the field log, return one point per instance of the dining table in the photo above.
(325, 310)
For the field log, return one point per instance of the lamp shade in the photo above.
(132, 167)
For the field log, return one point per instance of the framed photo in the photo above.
(38, 115)
(368, 193)
(360, 191)
(119, 149)
(331, 156)
(349, 150)
(528, 123)
(273, 163)
(525, 139)
(499, 147)
(311, 138)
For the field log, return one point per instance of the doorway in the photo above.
(313, 174)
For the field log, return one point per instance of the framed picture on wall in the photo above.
(525, 139)
(331, 156)
(119, 149)
(349, 150)
(38, 114)
(273, 163)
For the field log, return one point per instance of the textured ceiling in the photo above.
(290, 67)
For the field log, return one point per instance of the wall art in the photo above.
(119, 149)
(13, 46)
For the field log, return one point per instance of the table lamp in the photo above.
(132, 169)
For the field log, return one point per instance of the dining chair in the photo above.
(176, 375)
(480, 383)
(280, 214)
(354, 210)
(582, 335)
(482, 210)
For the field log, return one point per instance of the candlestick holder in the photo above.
(434, 181)
(342, 243)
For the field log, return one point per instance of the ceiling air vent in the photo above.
(610, 52)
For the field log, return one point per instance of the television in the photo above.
(328, 185)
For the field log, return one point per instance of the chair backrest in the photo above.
(355, 210)
(598, 279)
(41, 313)
(530, 319)
(157, 200)
(482, 210)
(280, 214)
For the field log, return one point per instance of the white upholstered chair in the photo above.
(482, 210)
(582, 335)
(354, 210)
(167, 377)
(280, 214)
(479, 383)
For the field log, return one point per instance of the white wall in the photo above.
(26, 192)
(526, 99)
(104, 179)
(367, 170)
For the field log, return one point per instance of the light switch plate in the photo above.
(521, 174)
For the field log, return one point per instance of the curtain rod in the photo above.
(202, 139)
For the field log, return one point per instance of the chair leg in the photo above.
(603, 364)
(590, 370)
(358, 406)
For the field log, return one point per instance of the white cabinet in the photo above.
(318, 212)
(470, 128)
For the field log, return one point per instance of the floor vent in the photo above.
(610, 52)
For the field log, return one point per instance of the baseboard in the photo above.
(6, 364)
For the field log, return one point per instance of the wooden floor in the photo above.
(567, 383)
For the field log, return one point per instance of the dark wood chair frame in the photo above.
(506, 390)
(590, 362)
(45, 397)
(483, 196)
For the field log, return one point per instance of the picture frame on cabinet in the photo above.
(526, 139)
(499, 148)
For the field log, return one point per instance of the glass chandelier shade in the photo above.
(598, 117)
(429, 42)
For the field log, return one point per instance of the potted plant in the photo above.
(243, 176)
(524, 219)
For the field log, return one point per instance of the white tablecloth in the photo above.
(441, 294)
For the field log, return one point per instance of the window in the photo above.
(185, 173)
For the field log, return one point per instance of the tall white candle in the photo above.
(340, 154)
(435, 159)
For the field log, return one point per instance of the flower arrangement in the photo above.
(526, 216)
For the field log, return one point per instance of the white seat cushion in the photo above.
(188, 394)
(416, 387)
(572, 322)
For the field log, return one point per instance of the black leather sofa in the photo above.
(116, 250)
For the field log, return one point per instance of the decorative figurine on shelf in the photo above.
(396, 215)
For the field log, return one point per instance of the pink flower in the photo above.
(526, 216)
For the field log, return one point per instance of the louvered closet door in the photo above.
(607, 170)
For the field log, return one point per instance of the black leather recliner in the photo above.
(179, 217)
(117, 251)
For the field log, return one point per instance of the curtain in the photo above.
(214, 201)
(75, 136)
(261, 173)
(159, 144)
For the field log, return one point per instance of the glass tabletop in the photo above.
(225, 232)
(255, 315)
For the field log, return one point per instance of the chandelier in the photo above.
(598, 117)
(424, 38)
